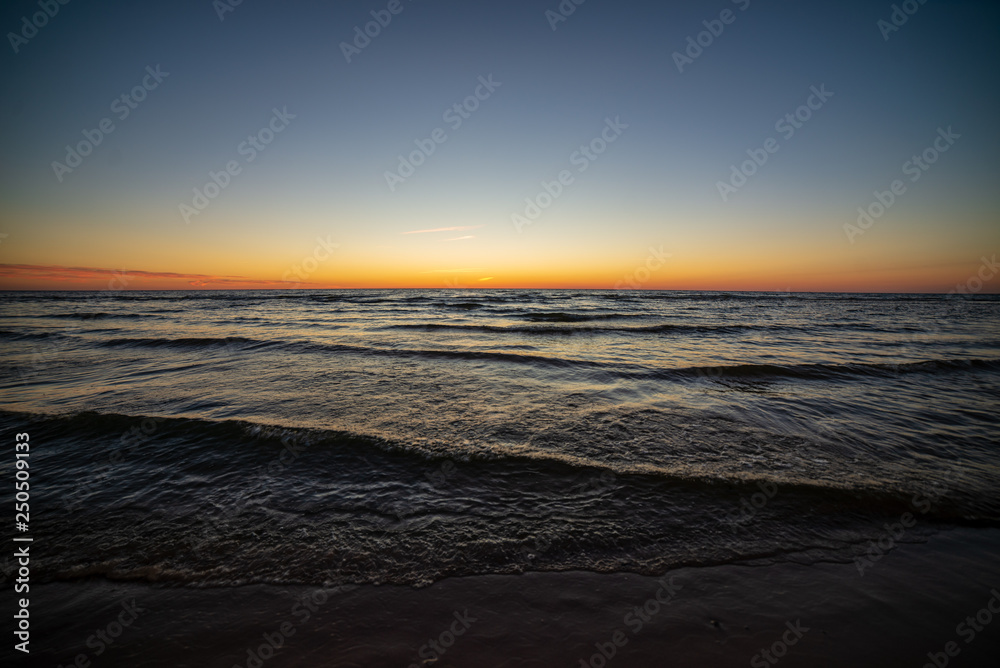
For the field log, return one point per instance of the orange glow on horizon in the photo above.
(678, 277)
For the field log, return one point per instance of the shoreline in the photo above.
(906, 605)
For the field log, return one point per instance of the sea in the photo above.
(330, 437)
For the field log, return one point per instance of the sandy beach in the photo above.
(905, 606)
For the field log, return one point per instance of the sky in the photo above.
(725, 145)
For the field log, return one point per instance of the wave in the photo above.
(198, 342)
(559, 316)
(665, 328)
(20, 336)
(100, 315)
(251, 442)
(218, 503)
(734, 371)
(835, 371)
(85, 316)
(462, 306)
(584, 329)
(722, 371)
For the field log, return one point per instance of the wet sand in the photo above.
(907, 604)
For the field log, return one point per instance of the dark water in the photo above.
(222, 438)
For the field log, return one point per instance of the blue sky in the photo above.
(656, 184)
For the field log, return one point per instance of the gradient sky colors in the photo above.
(321, 181)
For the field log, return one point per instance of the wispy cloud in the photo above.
(63, 274)
(446, 229)
(451, 271)
(467, 236)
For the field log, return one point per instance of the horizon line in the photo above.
(716, 290)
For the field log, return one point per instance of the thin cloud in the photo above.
(75, 274)
(451, 271)
(467, 236)
(459, 228)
